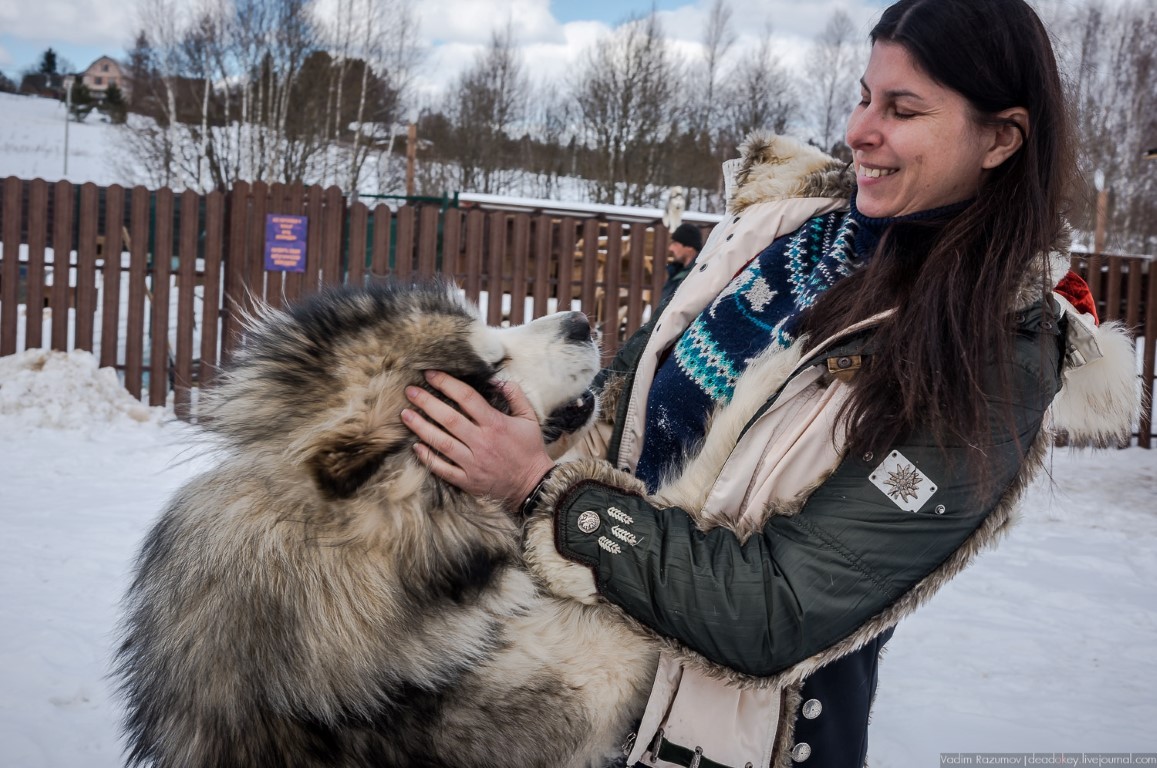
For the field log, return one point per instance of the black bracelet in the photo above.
(530, 503)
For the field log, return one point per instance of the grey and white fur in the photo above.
(321, 599)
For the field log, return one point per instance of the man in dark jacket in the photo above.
(686, 242)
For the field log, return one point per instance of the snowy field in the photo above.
(1044, 645)
(32, 144)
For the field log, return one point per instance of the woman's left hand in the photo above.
(478, 448)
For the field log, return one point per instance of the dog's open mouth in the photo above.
(569, 418)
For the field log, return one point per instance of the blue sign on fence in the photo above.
(285, 242)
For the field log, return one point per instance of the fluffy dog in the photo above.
(321, 599)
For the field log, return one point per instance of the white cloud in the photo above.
(473, 21)
(548, 57)
(88, 22)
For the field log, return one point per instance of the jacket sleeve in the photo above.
(810, 579)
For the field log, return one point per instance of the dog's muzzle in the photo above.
(569, 418)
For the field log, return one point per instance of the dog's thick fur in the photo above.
(321, 599)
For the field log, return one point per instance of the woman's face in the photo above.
(915, 142)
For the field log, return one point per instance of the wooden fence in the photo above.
(157, 282)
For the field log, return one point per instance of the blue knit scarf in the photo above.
(760, 307)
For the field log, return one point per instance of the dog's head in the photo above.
(322, 384)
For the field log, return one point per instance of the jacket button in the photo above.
(702, 267)
(869, 456)
(941, 509)
(731, 236)
(801, 752)
(811, 709)
(588, 522)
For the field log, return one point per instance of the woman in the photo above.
(881, 372)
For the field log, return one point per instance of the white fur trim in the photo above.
(1099, 399)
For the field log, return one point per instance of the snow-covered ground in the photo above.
(1045, 645)
(32, 144)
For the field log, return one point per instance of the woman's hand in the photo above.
(479, 449)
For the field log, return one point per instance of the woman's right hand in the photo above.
(476, 447)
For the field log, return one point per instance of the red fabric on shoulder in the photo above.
(1076, 290)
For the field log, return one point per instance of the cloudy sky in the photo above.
(552, 33)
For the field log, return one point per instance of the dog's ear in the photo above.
(345, 460)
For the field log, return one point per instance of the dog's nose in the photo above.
(576, 327)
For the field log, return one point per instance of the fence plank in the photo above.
(138, 268)
(404, 243)
(636, 270)
(452, 245)
(61, 263)
(1093, 278)
(564, 284)
(313, 257)
(1113, 289)
(114, 222)
(359, 219)
(293, 283)
(475, 232)
(590, 270)
(237, 298)
(275, 279)
(85, 315)
(159, 326)
(186, 281)
(1149, 361)
(37, 242)
(332, 263)
(520, 244)
(542, 259)
(1133, 299)
(380, 261)
(211, 291)
(428, 216)
(660, 244)
(255, 274)
(611, 280)
(497, 242)
(10, 266)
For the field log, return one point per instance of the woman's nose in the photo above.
(862, 130)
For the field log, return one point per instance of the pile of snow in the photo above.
(66, 390)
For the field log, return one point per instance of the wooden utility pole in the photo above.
(411, 156)
(1102, 221)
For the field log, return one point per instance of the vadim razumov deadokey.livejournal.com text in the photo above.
(1119, 759)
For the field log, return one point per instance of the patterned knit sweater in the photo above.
(761, 306)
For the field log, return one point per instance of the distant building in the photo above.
(104, 72)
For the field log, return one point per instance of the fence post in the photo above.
(10, 274)
(159, 327)
(114, 223)
(86, 267)
(61, 263)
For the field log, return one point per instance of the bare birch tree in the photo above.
(761, 94)
(1113, 81)
(625, 95)
(834, 65)
(484, 105)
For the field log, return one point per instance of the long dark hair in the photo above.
(955, 287)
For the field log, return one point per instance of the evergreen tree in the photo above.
(48, 63)
(114, 104)
(82, 101)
